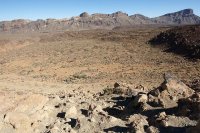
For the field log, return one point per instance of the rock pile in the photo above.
(182, 40)
(171, 107)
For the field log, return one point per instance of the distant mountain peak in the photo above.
(99, 21)
(185, 16)
(184, 12)
(187, 11)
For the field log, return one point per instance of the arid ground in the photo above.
(48, 80)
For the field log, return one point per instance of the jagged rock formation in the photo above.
(98, 21)
(182, 17)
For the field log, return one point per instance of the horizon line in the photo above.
(68, 18)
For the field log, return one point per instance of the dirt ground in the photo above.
(91, 60)
(93, 57)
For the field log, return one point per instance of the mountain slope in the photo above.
(181, 17)
(141, 19)
(98, 21)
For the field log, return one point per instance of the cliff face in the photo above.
(98, 21)
(181, 17)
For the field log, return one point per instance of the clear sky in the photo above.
(42, 9)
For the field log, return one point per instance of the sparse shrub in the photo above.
(107, 91)
(75, 77)
(80, 76)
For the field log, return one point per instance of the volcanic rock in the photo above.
(84, 14)
(183, 40)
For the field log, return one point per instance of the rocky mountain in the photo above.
(181, 17)
(141, 19)
(98, 21)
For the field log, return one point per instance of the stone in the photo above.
(137, 123)
(31, 104)
(98, 109)
(175, 87)
(162, 115)
(164, 123)
(113, 119)
(71, 112)
(20, 122)
(92, 119)
(174, 121)
(116, 85)
(6, 128)
(140, 98)
(152, 129)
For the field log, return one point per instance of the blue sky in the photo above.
(42, 9)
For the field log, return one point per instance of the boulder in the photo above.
(140, 99)
(152, 129)
(170, 91)
(32, 104)
(164, 120)
(137, 123)
(175, 87)
(19, 121)
(71, 112)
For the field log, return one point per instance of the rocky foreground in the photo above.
(171, 107)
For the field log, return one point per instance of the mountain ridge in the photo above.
(86, 21)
